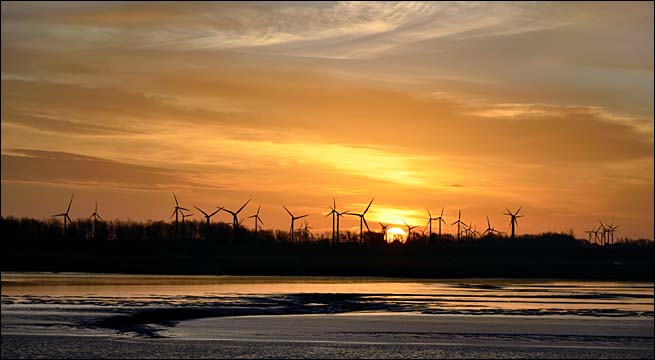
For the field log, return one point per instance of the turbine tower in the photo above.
(514, 218)
(176, 212)
(293, 219)
(459, 224)
(257, 218)
(362, 221)
(65, 214)
(95, 217)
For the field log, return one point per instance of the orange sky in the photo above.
(470, 106)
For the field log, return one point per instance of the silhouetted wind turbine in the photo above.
(409, 230)
(257, 218)
(611, 229)
(589, 232)
(595, 231)
(207, 216)
(490, 229)
(305, 230)
(334, 213)
(384, 230)
(514, 216)
(95, 217)
(362, 220)
(604, 234)
(176, 212)
(65, 214)
(235, 218)
(459, 224)
(430, 218)
(441, 220)
(293, 218)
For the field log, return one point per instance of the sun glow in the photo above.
(396, 233)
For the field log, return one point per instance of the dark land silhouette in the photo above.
(196, 247)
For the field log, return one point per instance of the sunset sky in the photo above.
(471, 106)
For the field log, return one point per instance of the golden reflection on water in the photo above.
(451, 294)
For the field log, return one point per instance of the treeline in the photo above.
(193, 248)
(52, 230)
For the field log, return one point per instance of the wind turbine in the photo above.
(595, 232)
(514, 216)
(235, 218)
(459, 224)
(293, 218)
(475, 232)
(257, 218)
(440, 220)
(65, 214)
(384, 230)
(207, 216)
(334, 213)
(490, 229)
(611, 229)
(409, 230)
(176, 212)
(95, 217)
(589, 232)
(604, 234)
(305, 230)
(430, 218)
(362, 220)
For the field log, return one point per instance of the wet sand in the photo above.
(355, 336)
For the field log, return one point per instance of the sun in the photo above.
(396, 233)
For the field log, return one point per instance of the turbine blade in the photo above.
(517, 211)
(214, 213)
(176, 203)
(69, 205)
(300, 217)
(285, 208)
(200, 210)
(100, 217)
(429, 215)
(488, 224)
(260, 220)
(244, 205)
(441, 210)
(258, 208)
(369, 205)
(184, 209)
(365, 223)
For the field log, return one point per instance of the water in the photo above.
(41, 310)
